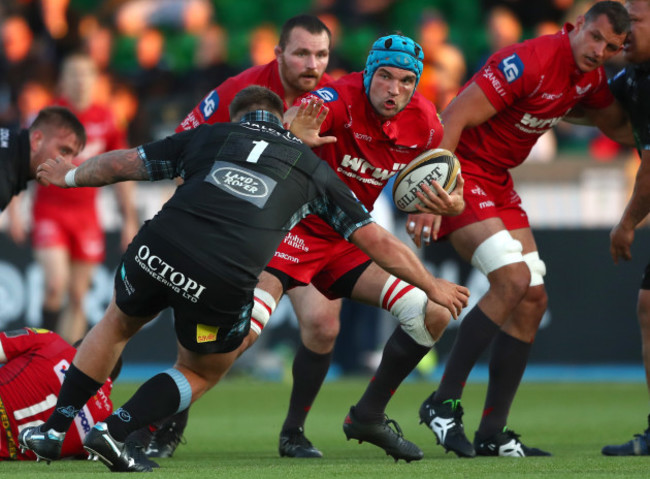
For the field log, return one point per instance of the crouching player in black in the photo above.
(246, 184)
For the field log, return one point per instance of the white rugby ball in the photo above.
(438, 164)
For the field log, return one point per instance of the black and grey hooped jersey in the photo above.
(14, 164)
(631, 87)
(245, 186)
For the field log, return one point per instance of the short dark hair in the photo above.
(616, 14)
(255, 97)
(311, 23)
(60, 117)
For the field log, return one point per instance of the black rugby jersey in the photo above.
(14, 164)
(631, 87)
(245, 186)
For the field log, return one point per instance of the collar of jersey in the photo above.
(260, 115)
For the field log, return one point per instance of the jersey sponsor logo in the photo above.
(327, 94)
(169, 276)
(190, 122)
(486, 204)
(286, 257)
(478, 191)
(243, 183)
(552, 96)
(209, 104)
(582, 90)
(539, 123)
(365, 172)
(361, 136)
(488, 74)
(296, 242)
(4, 138)
(206, 333)
(512, 67)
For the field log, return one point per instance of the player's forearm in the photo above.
(639, 205)
(392, 255)
(111, 167)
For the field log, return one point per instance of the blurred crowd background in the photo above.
(158, 58)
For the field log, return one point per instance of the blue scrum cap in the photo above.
(393, 51)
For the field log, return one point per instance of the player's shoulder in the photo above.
(348, 86)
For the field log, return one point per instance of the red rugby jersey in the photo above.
(214, 106)
(368, 150)
(30, 381)
(532, 85)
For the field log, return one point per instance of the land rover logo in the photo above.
(240, 181)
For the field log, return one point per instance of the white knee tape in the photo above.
(498, 250)
(537, 268)
(408, 304)
(263, 307)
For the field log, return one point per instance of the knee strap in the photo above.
(408, 304)
(497, 251)
(263, 307)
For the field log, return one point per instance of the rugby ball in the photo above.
(438, 164)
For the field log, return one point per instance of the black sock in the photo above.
(475, 333)
(76, 390)
(51, 319)
(401, 355)
(309, 371)
(507, 365)
(158, 398)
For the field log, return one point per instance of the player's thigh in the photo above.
(466, 239)
(312, 307)
(370, 284)
(54, 262)
(81, 273)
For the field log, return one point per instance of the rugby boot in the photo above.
(293, 443)
(390, 439)
(99, 444)
(445, 420)
(639, 445)
(505, 444)
(45, 444)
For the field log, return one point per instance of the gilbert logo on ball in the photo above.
(437, 165)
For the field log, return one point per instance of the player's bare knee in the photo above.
(320, 336)
(409, 305)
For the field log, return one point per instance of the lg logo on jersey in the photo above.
(210, 104)
(167, 274)
(512, 67)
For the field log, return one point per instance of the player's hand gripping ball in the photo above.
(439, 165)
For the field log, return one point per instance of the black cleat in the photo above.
(137, 451)
(445, 420)
(506, 444)
(114, 454)
(167, 437)
(382, 435)
(639, 445)
(46, 445)
(293, 443)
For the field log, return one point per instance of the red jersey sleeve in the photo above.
(213, 108)
(504, 78)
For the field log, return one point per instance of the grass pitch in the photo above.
(233, 433)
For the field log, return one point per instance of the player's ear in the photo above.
(278, 53)
(36, 138)
(580, 21)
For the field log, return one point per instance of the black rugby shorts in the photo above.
(210, 315)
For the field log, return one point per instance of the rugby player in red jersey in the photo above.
(520, 93)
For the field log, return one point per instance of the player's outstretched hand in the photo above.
(450, 295)
(52, 172)
(308, 119)
(437, 201)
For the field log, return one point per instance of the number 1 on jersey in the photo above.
(256, 152)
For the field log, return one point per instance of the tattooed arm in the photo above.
(100, 170)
